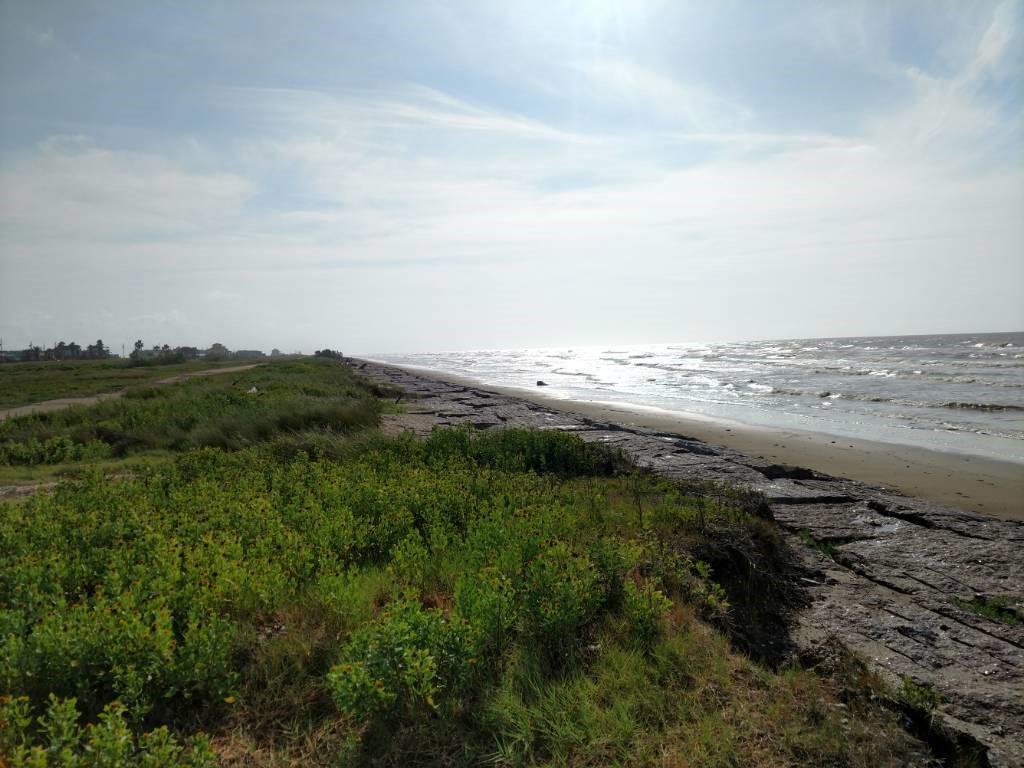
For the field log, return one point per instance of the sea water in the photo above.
(959, 393)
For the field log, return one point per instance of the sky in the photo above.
(422, 176)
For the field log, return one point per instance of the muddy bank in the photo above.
(892, 577)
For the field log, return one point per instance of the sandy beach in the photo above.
(972, 483)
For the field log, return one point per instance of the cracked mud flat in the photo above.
(888, 585)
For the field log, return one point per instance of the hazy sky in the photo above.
(383, 176)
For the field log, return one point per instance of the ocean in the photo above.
(960, 393)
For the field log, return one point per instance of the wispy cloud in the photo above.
(408, 106)
(656, 97)
(954, 118)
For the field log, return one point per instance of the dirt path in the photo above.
(21, 490)
(67, 402)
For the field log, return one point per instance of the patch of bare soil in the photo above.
(394, 424)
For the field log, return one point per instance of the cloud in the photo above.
(628, 85)
(615, 184)
(954, 119)
(990, 56)
(69, 189)
(218, 295)
(409, 106)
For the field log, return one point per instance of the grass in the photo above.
(1002, 609)
(229, 411)
(26, 383)
(918, 696)
(828, 546)
(309, 592)
(49, 473)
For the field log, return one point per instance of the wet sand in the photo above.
(972, 483)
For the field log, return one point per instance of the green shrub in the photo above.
(645, 608)
(53, 450)
(123, 648)
(560, 453)
(487, 600)
(522, 450)
(56, 740)
(560, 596)
(146, 393)
(918, 696)
(614, 557)
(683, 575)
(408, 660)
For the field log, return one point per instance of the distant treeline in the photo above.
(142, 355)
(59, 351)
(333, 354)
(164, 355)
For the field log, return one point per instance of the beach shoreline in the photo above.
(971, 483)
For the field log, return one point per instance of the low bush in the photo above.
(560, 597)
(409, 660)
(487, 600)
(53, 450)
(645, 608)
(110, 743)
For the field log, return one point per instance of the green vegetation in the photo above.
(309, 592)
(918, 696)
(32, 474)
(229, 411)
(108, 743)
(1003, 609)
(25, 383)
(827, 546)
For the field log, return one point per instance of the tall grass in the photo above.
(231, 411)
